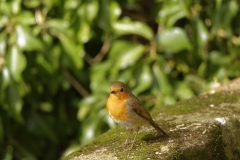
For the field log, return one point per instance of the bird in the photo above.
(128, 111)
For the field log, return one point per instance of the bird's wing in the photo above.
(138, 108)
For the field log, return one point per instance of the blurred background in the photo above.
(58, 59)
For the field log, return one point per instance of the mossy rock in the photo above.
(203, 127)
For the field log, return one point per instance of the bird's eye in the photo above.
(121, 90)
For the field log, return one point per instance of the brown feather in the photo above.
(138, 108)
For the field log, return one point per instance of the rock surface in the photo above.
(203, 127)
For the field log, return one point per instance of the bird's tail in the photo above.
(160, 130)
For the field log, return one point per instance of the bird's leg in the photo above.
(133, 141)
(126, 142)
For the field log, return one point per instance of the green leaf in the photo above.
(26, 40)
(84, 32)
(223, 21)
(15, 102)
(126, 75)
(44, 63)
(144, 80)
(5, 9)
(98, 74)
(26, 18)
(218, 3)
(51, 3)
(74, 52)
(3, 46)
(173, 40)
(162, 79)
(198, 84)
(89, 10)
(125, 54)
(115, 10)
(170, 12)
(32, 4)
(59, 24)
(16, 6)
(4, 21)
(85, 107)
(47, 39)
(5, 79)
(16, 63)
(184, 91)
(169, 100)
(46, 107)
(88, 132)
(202, 33)
(103, 19)
(126, 26)
(71, 4)
(91, 107)
(202, 69)
(219, 58)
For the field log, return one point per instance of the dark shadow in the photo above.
(152, 138)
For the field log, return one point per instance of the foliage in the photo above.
(58, 59)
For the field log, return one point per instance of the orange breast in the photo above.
(117, 108)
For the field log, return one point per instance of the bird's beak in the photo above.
(113, 92)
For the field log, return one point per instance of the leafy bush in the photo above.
(58, 59)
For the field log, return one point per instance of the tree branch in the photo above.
(81, 90)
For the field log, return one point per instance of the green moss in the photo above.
(198, 103)
(116, 137)
(101, 141)
(141, 148)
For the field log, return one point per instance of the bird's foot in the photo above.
(124, 144)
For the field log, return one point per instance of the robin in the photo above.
(127, 110)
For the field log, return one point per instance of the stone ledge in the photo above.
(203, 127)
